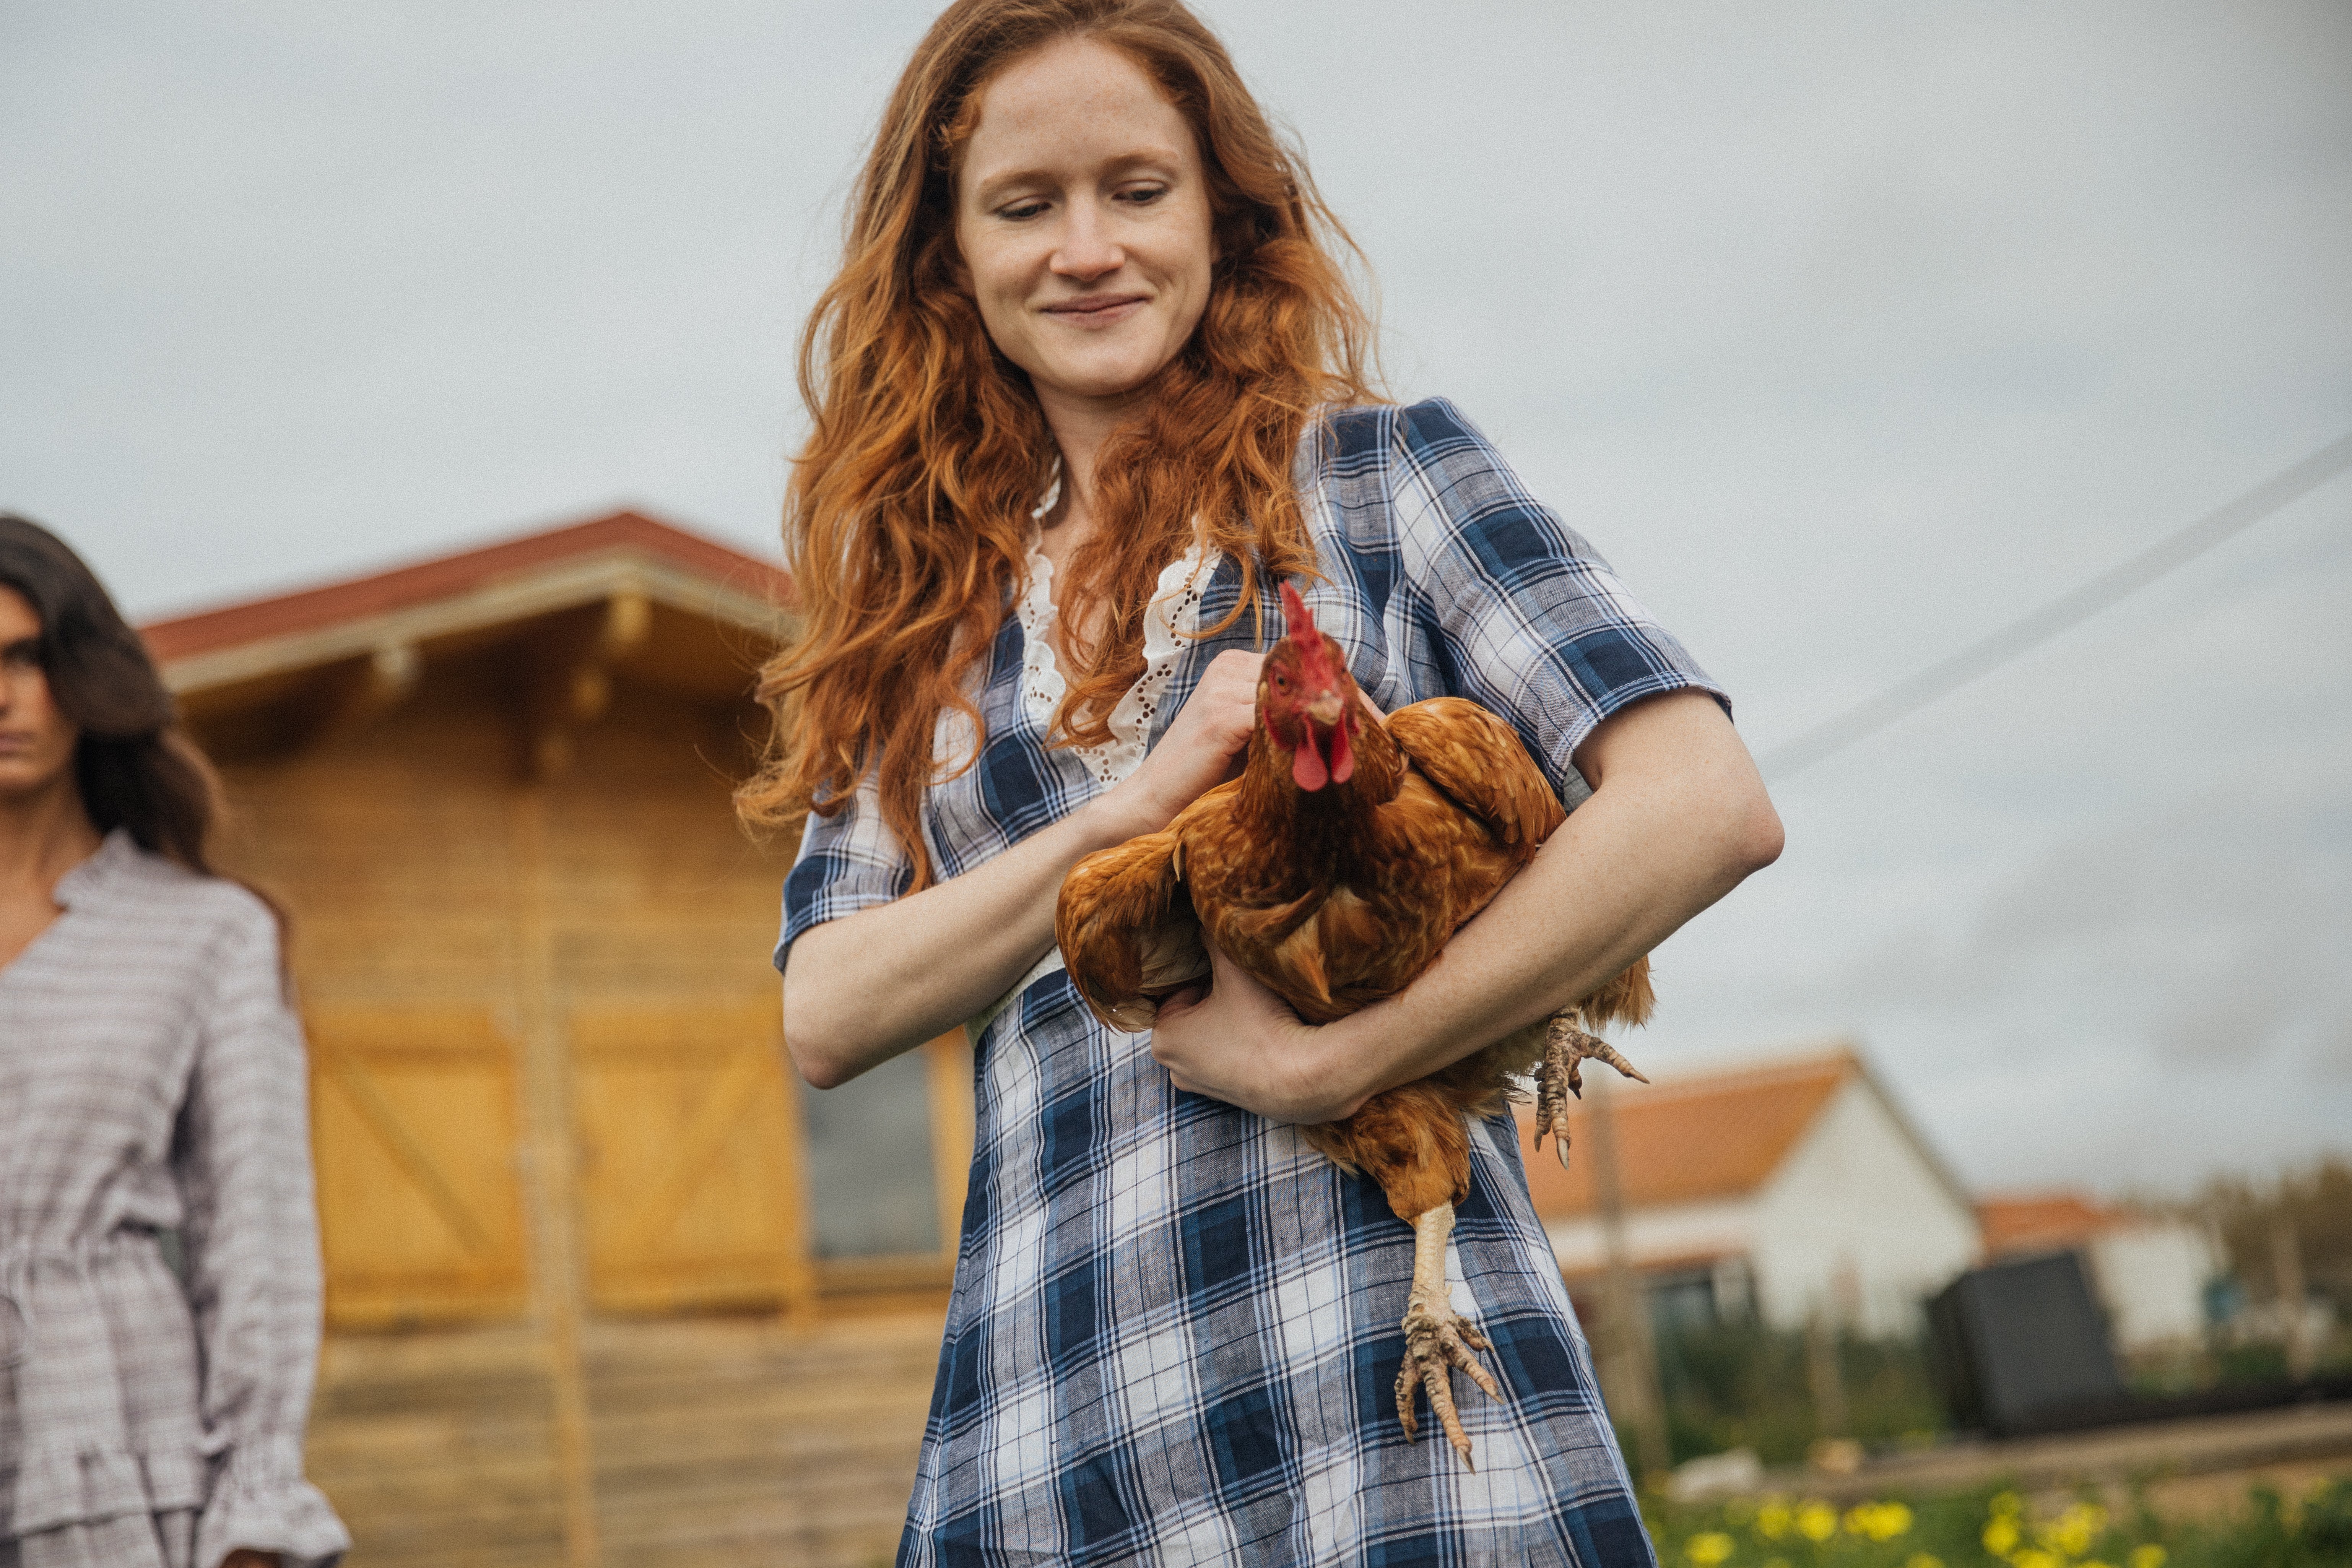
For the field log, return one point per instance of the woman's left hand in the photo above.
(1239, 1043)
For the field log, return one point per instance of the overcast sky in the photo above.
(1847, 333)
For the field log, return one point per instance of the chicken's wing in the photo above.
(1127, 933)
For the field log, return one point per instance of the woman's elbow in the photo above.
(818, 1068)
(816, 1053)
(1757, 837)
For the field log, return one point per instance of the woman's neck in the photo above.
(1079, 426)
(43, 834)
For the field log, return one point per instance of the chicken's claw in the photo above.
(1437, 1340)
(1567, 1047)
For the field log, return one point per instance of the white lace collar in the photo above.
(1168, 621)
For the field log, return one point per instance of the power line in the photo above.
(2028, 632)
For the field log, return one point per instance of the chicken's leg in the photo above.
(1437, 1339)
(1567, 1047)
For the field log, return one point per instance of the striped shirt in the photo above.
(151, 1079)
(1174, 1330)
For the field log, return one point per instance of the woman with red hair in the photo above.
(1088, 388)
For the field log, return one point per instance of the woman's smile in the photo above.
(1096, 311)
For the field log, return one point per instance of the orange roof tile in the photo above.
(2040, 1222)
(446, 576)
(1682, 1141)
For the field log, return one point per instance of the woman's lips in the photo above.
(1097, 310)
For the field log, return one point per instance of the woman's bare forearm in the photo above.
(1679, 818)
(862, 989)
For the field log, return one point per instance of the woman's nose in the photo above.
(1088, 250)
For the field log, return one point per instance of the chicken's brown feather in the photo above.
(1446, 807)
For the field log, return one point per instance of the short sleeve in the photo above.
(1522, 616)
(848, 861)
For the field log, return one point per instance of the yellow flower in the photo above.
(2095, 1562)
(1817, 1521)
(2034, 1557)
(2000, 1534)
(2007, 1503)
(1923, 1559)
(1878, 1520)
(2072, 1532)
(1773, 1519)
(1709, 1548)
(2148, 1556)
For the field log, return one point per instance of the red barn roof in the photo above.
(557, 569)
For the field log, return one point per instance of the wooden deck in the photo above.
(717, 1442)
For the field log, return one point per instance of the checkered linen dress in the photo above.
(151, 1079)
(1174, 1330)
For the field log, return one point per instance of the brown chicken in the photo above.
(1334, 870)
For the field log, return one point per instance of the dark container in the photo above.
(2022, 1347)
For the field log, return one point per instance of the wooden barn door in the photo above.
(690, 1184)
(412, 1116)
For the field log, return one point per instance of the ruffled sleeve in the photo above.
(243, 1159)
(1524, 616)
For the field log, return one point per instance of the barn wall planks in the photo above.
(551, 1113)
(397, 850)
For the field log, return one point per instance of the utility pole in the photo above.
(2286, 1271)
(1632, 1357)
(1823, 1371)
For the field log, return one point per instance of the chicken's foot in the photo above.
(1567, 1047)
(1436, 1338)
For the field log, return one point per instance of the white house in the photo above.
(1786, 1189)
(2150, 1270)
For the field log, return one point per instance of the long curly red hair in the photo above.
(907, 524)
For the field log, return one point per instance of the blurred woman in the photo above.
(1088, 386)
(151, 1079)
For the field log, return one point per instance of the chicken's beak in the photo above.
(1325, 754)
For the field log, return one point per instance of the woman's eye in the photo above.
(1142, 195)
(1019, 211)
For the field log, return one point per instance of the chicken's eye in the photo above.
(1281, 681)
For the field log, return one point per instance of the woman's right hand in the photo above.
(863, 988)
(1201, 750)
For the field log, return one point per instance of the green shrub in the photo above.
(1745, 1386)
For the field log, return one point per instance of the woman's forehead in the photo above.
(18, 616)
(1075, 105)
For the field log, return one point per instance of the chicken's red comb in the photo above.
(1299, 618)
(1313, 658)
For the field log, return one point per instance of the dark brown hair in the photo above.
(135, 767)
(907, 526)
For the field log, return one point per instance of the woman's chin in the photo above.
(1097, 379)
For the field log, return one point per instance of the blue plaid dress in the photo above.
(1174, 1334)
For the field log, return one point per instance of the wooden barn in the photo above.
(603, 1285)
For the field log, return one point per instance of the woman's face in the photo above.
(36, 741)
(1083, 219)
